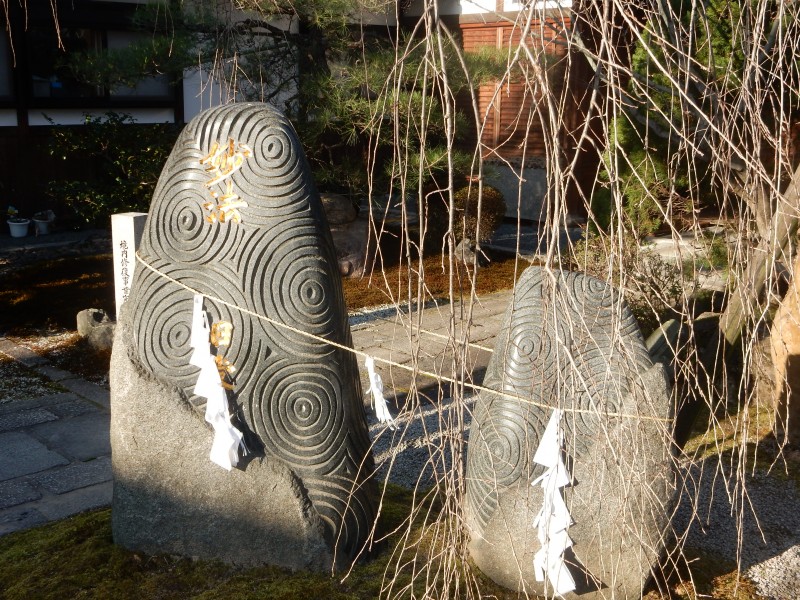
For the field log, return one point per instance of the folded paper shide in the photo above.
(553, 519)
(211, 385)
(376, 387)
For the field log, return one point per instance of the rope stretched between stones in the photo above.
(434, 376)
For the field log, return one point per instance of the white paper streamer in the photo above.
(227, 439)
(200, 332)
(553, 520)
(376, 387)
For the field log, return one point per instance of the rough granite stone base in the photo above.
(170, 498)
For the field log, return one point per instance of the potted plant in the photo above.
(18, 226)
(42, 221)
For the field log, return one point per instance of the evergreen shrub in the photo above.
(126, 161)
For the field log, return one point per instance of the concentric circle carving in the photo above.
(503, 439)
(178, 228)
(299, 414)
(163, 339)
(592, 386)
(289, 260)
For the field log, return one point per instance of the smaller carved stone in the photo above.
(568, 342)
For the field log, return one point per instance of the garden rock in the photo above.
(350, 241)
(89, 319)
(95, 326)
(785, 345)
(568, 342)
(101, 338)
(466, 253)
(339, 209)
(302, 495)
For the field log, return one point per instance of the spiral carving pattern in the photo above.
(565, 342)
(300, 271)
(303, 422)
(299, 399)
(184, 235)
(163, 340)
(507, 436)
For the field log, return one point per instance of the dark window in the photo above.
(6, 81)
(154, 87)
(50, 76)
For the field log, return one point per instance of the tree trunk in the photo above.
(785, 346)
(744, 301)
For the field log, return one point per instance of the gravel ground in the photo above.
(411, 454)
(18, 382)
(764, 514)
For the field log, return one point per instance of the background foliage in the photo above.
(125, 161)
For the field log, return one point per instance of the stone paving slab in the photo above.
(77, 501)
(20, 454)
(54, 450)
(27, 357)
(75, 476)
(390, 337)
(30, 403)
(54, 373)
(91, 391)
(25, 418)
(19, 518)
(13, 493)
(81, 438)
(73, 409)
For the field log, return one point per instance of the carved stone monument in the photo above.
(568, 343)
(236, 217)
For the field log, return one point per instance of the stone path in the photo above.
(392, 336)
(55, 456)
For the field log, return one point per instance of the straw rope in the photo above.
(413, 370)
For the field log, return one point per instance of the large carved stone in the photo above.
(297, 400)
(567, 342)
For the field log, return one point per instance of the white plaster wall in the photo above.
(512, 6)
(454, 7)
(201, 91)
(387, 18)
(203, 88)
(8, 118)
